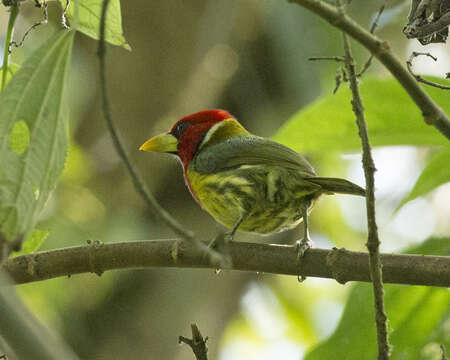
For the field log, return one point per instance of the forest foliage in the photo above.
(34, 143)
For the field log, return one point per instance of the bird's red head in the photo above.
(191, 129)
(186, 134)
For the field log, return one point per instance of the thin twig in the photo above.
(43, 5)
(341, 76)
(64, 16)
(338, 80)
(365, 67)
(330, 58)
(432, 113)
(339, 264)
(139, 185)
(377, 18)
(373, 242)
(12, 19)
(197, 343)
(340, 73)
(409, 64)
(415, 53)
(372, 30)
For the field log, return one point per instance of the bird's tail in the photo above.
(335, 185)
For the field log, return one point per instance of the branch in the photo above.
(197, 343)
(418, 77)
(373, 243)
(139, 185)
(432, 113)
(44, 6)
(372, 30)
(327, 58)
(339, 264)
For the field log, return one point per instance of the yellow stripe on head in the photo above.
(223, 130)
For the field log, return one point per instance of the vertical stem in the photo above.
(373, 241)
(12, 19)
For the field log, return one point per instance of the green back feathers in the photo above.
(248, 149)
(227, 145)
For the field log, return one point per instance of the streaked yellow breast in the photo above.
(217, 195)
(269, 197)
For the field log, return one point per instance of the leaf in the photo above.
(12, 69)
(89, 20)
(33, 242)
(35, 97)
(328, 124)
(415, 313)
(437, 172)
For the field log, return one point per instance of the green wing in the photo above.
(249, 150)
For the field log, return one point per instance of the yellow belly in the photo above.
(269, 198)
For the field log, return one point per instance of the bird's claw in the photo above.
(220, 247)
(227, 238)
(302, 246)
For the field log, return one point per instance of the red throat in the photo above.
(199, 124)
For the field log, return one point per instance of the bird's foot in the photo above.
(302, 246)
(220, 246)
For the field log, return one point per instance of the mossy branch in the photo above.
(339, 264)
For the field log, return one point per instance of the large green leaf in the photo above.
(416, 315)
(33, 135)
(89, 16)
(328, 124)
(437, 172)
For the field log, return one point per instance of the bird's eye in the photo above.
(180, 129)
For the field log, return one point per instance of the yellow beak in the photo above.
(161, 143)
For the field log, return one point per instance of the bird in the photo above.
(245, 182)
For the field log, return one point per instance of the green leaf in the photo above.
(437, 172)
(416, 314)
(89, 16)
(33, 100)
(12, 69)
(33, 242)
(328, 124)
(19, 137)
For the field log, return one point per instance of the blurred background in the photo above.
(251, 58)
